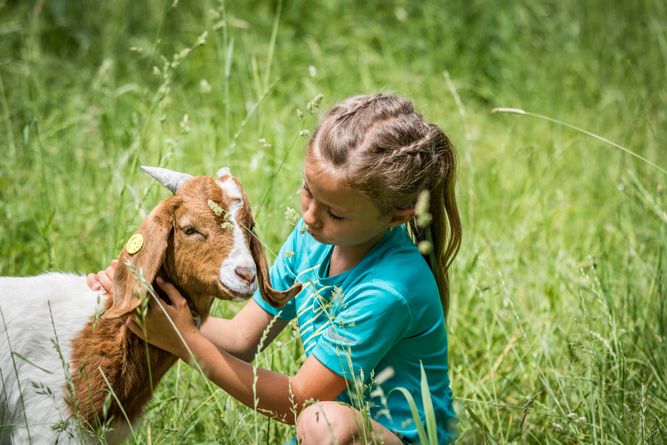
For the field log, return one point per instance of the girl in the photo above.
(372, 302)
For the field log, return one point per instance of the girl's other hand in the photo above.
(102, 280)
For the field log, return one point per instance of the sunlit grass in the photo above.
(557, 325)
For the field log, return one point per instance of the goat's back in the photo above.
(39, 318)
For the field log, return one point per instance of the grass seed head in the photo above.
(215, 207)
(425, 247)
(421, 209)
(292, 216)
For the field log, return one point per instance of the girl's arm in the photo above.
(239, 336)
(280, 396)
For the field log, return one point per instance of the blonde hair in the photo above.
(390, 154)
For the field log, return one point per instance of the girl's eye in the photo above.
(334, 217)
(306, 189)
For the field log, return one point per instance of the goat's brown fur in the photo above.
(132, 367)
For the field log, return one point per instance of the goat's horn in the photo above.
(169, 178)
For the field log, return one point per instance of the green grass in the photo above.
(558, 327)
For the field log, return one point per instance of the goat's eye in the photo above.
(189, 230)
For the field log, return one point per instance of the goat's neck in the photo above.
(107, 354)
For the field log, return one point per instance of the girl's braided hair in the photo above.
(389, 153)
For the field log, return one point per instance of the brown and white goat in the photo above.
(66, 370)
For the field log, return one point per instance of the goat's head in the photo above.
(202, 239)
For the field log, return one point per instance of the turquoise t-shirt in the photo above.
(381, 318)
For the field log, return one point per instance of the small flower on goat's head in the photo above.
(215, 207)
(227, 226)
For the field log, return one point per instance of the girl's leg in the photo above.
(325, 423)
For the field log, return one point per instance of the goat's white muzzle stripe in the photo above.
(240, 256)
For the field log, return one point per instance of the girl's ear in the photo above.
(142, 255)
(401, 216)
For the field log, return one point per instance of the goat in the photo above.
(68, 362)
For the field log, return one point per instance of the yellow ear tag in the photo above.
(135, 243)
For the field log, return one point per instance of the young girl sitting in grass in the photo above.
(372, 302)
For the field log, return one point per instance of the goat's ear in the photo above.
(274, 297)
(137, 269)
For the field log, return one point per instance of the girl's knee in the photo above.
(326, 423)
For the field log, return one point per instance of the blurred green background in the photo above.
(557, 326)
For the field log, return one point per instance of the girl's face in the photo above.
(335, 213)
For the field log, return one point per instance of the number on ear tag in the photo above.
(135, 243)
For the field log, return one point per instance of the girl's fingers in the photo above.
(173, 293)
(102, 280)
(105, 281)
(91, 282)
(158, 304)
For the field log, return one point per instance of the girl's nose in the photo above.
(310, 215)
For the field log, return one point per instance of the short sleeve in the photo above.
(367, 324)
(282, 275)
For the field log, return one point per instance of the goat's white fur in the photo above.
(240, 255)
(28, 305)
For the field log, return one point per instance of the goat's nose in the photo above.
(245, 273)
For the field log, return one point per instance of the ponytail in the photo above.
(441, 233)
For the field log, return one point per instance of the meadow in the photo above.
(558, 325)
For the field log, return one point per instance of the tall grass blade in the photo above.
(423, 438)
(580, 130)
(429, 412)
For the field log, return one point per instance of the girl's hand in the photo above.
(102, 280)
(157, 328)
